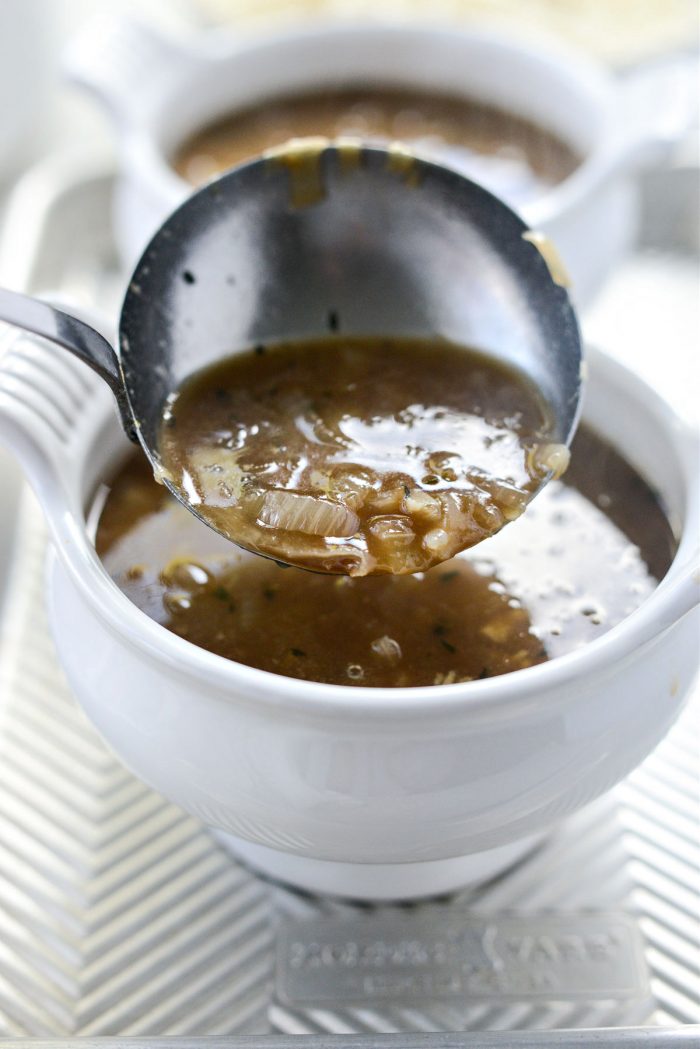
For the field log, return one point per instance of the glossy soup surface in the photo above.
(358, 456)
(516, 158)
(585, 554)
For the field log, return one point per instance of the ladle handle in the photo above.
(74, 335)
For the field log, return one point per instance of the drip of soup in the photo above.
(358, 456)
(517, 159)
(583, 557)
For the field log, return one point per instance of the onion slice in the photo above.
(310, 514)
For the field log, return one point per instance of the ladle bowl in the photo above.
(321, 236)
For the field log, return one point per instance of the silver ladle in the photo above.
(320, 236)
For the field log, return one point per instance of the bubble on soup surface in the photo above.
(188, 575)
(177, 601)
(388, 649)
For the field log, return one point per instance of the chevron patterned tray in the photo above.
(121, 916)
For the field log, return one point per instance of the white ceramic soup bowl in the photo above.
(373, 793)
(160, 91)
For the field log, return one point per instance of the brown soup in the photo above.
(358, 456)
(587, 552)
(512, 156)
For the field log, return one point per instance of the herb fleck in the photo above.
(298, 652)
(447, 577)
(447, 645)
(269, 593)
(222, 594)
(484, 673)
(188, 277)
(259, 349)
(333, 320)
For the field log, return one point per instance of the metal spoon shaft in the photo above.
(73, 335)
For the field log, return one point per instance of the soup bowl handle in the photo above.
(50, 404)
(651, 111)
(679, 592)
(123, 61)
(655, 106)
(678, 598)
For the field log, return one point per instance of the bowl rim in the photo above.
(143, 136)
(507, 695)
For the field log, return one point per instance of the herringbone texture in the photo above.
(119, 914)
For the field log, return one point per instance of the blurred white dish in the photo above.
(160, 90)
(378, 793)
(26, 69)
